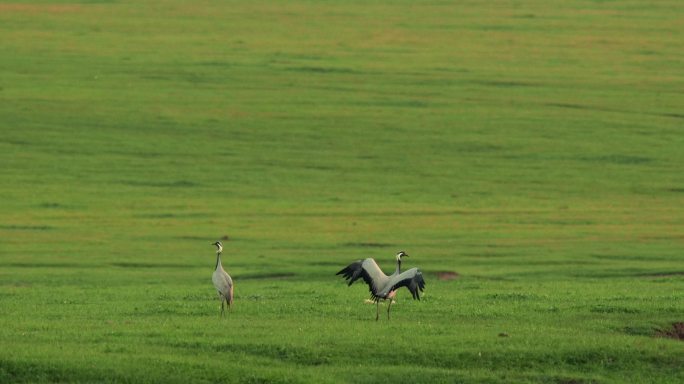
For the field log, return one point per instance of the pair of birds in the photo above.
(381, 286)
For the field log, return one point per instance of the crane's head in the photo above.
(400, 255)
(219, 247)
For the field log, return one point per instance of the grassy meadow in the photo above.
(534, 150)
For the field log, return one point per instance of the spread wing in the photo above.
(370, 272)
(411, 279)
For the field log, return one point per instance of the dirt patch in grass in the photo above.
(447, 275)
(676, 331)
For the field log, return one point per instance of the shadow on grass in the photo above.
(26, 227)
(366, 245)
(44, 264)
(266, 276)
(161, 184)
(288, 354)
(150, 265)
(324, 70)
(52, 372)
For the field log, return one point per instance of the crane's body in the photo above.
(222, 281)
(381, 286)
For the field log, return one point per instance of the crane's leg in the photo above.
(222, 306)
(388, 308)
(377, 310)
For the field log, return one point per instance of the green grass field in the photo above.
(534, 148)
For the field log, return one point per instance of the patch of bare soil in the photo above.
(675, 332)
(447, 275)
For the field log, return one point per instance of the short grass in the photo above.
(534, 148)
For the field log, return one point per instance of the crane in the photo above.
(222, 281)
(381, 286)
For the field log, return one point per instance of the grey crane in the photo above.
(381, 286)
(222, 281)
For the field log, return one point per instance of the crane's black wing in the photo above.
(411, 279)
(370, 272)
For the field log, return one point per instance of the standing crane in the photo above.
(221, 279)
(381, 286)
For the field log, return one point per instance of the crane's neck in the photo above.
(398, 271)
(218, 260)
